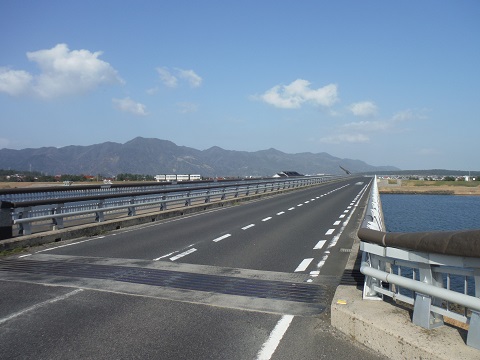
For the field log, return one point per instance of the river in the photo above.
(408, 213)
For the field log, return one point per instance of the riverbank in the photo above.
(386, 186)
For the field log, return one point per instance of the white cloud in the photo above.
(167, 78)
(62, 72)
(409, 114)
(170, 78)
(345, 138)
(14, 82)
(298, 92)
(368, 125)
(189, 75)
(364, 108)
(130, 106)
(186, 107)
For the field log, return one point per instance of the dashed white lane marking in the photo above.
(267, 218)
(306, 202)
(281, 212)
(185, 253)
(292, 208)
(320, 244)
(342, 216)
(300, 205)
(330, 232)
(36, 306)
(303, 265)
(336, 223)
(221, 237)
(248, 226)
(346, 211)
(269, 347)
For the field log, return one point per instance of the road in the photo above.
(252, 281)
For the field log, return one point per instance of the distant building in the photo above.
(176, 177)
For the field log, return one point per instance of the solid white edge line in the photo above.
(221, 237)
(36, 306)
(269, 347)
(303, 265)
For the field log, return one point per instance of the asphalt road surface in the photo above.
(252, 281)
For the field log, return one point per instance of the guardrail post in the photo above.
(99, 215)
(207, 197)
(24, 229)
(422, 314)
(163, 205)
(188, 200)
(6, 226)
(236, 192)
(223, 193)
(368, 289)
(57, 223)
(473, 337)
(132, 210)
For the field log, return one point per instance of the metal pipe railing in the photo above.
(431, 255)
(23, 213)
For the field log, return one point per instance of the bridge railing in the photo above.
(53, 208)
(438, 273)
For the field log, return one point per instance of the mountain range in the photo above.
(151, 156)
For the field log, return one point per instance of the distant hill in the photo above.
(154, 156)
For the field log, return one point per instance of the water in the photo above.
(410, 213)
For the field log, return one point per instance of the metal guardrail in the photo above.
(437, 272)
(44, 209)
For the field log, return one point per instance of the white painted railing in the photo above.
(438, 272)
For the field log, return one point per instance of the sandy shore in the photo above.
(428, 188)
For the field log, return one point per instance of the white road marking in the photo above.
(75, 243)
(303, 265)
(164, 256)
(320, 244)
(336, 223)
(267, 218)
(269, 347)
(322, 261)
(314, 273)
(346, 211)
(222, 237)
(281, 212)
(248, 226)
(330, 232)
(292, 208)
(22, 256)
(306, 202)
(342, 216)
(185, 253)
(300, 205)
(36, 306)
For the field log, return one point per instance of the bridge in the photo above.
(222, 279)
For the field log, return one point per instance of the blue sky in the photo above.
(387, 82)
